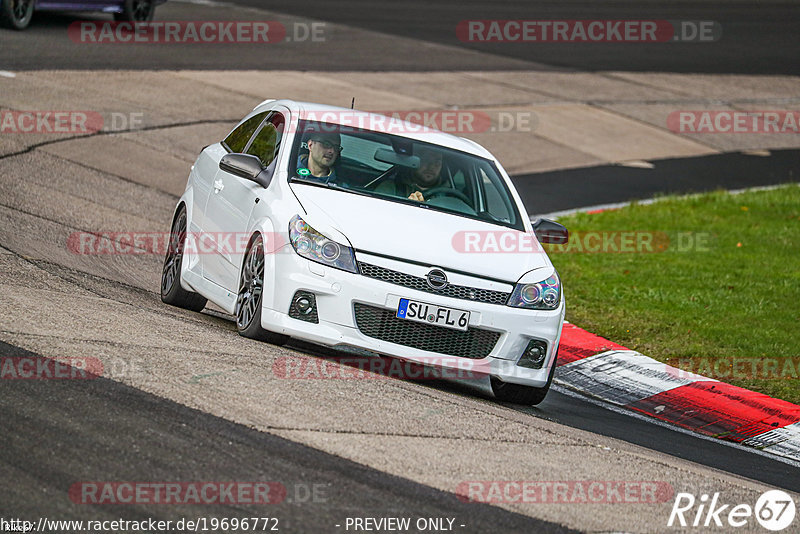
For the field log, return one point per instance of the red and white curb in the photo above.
(612, 373)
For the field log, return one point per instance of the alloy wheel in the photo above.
(172, 263)
(251, 285)
(141, 10)
(19, 9)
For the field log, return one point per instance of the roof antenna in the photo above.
(353, 103)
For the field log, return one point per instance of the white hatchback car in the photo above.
(348, 228)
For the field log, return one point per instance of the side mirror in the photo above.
(548, 231)
(247, 167)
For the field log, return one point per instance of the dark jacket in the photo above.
(402, 184)
(302, 163)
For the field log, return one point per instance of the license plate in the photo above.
(413, 310)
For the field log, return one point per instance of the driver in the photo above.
(427, 176)
(323, 150)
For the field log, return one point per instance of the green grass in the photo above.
(733, 299)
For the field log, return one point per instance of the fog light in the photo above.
(304, 307)
(534, 355)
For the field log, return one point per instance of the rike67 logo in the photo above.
(774, 510)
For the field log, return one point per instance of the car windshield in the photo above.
(399, 169)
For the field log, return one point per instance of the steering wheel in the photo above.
(444, 190)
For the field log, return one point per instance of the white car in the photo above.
(313, 222)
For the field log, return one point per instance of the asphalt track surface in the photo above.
(549, 192)
(757, 38)
(48, 430)
(576, 412)
(131, 435)
(563, 407)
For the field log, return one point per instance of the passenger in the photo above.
(323, 150)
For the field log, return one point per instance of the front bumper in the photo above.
(339, 294)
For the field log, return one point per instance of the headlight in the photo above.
(314, 246)
(544, 295)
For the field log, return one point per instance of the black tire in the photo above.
(251, 294)
(171, 291)
(516, 394)
(16, 14)
(136, 11)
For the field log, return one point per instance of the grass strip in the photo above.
(708, 283)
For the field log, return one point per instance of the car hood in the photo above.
(421, 235)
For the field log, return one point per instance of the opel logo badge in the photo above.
(436, 279)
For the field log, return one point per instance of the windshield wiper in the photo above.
(330, 185)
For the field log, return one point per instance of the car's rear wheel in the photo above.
(251, 294)
(16, 14)
(517, 394)
(171, 290)
(136, 11)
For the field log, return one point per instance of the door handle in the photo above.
(218, 186)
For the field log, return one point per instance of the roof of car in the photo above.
(377, 122)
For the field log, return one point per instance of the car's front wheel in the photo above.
(16, 14)
(171, 290)
(517, 394)
(136, 11)
(251, 293)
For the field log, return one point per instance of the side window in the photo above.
(459, 180)
(457, 168)
(495, 203)
(267, 141)
(238, 138)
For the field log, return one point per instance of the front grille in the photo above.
(419, 283)
(382, 324)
